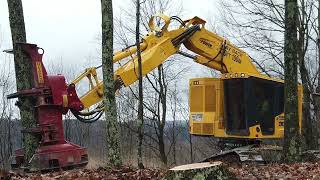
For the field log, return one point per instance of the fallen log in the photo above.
(200, 171)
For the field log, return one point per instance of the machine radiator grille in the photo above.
(202, 128)
(196, 128)
(207, 128)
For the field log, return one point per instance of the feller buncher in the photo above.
(243, 105)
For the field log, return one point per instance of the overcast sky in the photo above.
(67, 29)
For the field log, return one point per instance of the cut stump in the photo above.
(200, 171)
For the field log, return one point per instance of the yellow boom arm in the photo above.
(159, 44)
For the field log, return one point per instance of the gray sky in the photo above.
(66, 29)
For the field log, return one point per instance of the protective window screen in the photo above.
(235, 106)
(265, 104)
(252, 101)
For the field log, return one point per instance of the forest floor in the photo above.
(299, 171)
(251, 171)
(124, 173)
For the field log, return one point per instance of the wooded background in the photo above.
(255, 26)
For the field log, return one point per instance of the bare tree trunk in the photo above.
(307, 129)
(174, 141)
(162, 151)
(318, 44)
(162, 118)
(174, 111)
(113, 130)
(191, 148)
(292, 138)
(140, 108)
(317, 102)
(24, 77)
(9, 140)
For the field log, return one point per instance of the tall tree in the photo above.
(140, 106)
(113, 130)
(317, 99)
(318, 44)
(174, 103)
(292, 138)
(23, 71)
(162, 103)
(308, 132)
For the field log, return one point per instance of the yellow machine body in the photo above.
(210, 107)
(208, 110)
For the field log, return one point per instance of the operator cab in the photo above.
(252, 101)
